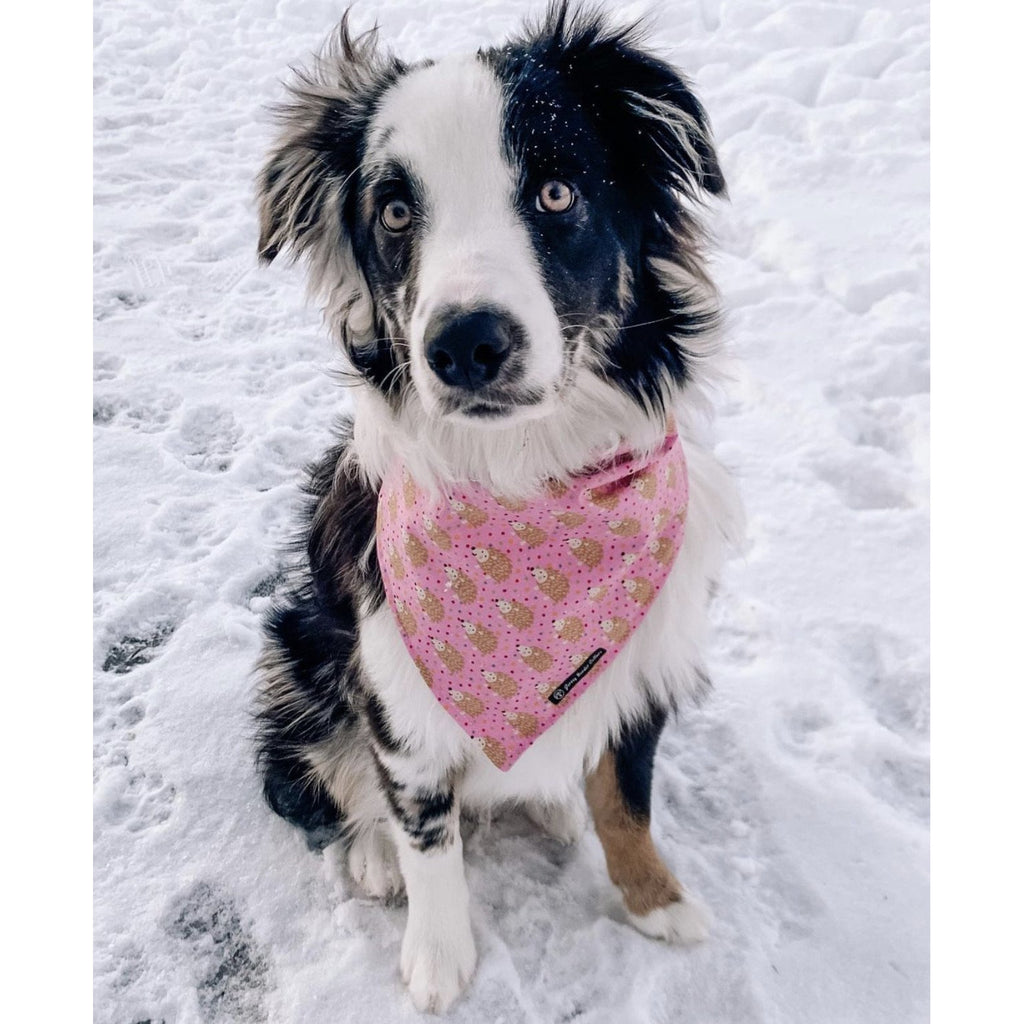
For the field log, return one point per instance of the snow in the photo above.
(795, 802)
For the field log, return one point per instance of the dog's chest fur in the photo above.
(661, 664)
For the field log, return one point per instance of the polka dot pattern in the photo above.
(501, 601)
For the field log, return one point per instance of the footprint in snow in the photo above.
(105, 365)
(895, 366)
(207, 438)
(230, 968)
(889, 424)
(106, 410)
(865, 478)
(890, 674)
(150, 413)
(131, 651)
(132, 799)
(798, 728)
(859, 295)
(905, 783)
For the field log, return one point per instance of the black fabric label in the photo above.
(561, 692)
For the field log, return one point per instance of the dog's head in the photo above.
(483, 230)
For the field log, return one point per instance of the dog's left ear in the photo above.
(306, 190)
(305, 184)
(645, 108)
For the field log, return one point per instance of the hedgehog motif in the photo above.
(602, 497)
(670, 474)
(467, 703)
(512, 504)
(628, 557)
(616, 628)
(428, 676)
(662, 549)
(546, 689)
(551, 583)
(406, 619)
(395, 561)
(529, 534)
(415, 549)
(503, 685)
(598, 593)
(436, 534)
(469, 514)
(539, 660)
(569, 518)
(661, 519)
(449, 655)
(569, 629)
(430, 604)
(515, 614)
(480, 637)
(645, 484)
(624, 527)
(495, 752)
(578, 659)
(495, 564)
(523, 723)
(557, 489)
(463, 587)
(393, 505)
(641, 590)
(587, 550)
(408, 489)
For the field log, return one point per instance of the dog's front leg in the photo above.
(438, 952)
(619, 795)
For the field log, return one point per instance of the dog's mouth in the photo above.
(486, 410)
(493, 408)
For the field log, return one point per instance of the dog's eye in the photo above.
(555, 197)
(396, 215)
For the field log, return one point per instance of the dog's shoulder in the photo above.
(340, 527)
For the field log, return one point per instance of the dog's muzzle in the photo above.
(469, 348)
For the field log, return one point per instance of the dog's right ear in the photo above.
(304, 185)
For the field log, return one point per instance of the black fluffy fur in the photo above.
(313, 631)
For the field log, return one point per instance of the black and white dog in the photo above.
(507, 247)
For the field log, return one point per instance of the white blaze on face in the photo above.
(444, 123)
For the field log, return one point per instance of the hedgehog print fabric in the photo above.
(512, 609)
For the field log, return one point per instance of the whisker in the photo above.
(393, 372)
(627, 327)
(649, 323)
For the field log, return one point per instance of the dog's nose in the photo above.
(467, 348)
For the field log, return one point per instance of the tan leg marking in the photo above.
(634, 865)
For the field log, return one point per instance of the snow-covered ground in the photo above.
(795, 801)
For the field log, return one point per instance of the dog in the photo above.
(508, 247)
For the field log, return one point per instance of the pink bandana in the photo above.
(510, 609)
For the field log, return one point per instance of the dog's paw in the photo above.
(373, 864)
(564, 822)
(686, 922)
(437, 964)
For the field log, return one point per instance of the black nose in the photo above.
(467, 348)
